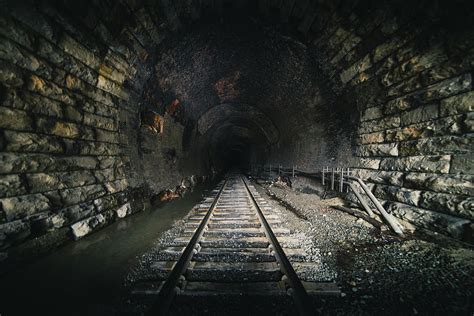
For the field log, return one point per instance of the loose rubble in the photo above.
(378, 271)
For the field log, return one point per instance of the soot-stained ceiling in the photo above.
(238, 81)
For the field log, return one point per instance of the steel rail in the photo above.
(300, 296)
(168, 291)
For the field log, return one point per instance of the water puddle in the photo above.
(86, 277)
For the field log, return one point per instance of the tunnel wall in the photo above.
(75, 155)
(70, 84)
(407, 70)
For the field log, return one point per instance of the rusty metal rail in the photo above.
(298, 292)
(171, 287)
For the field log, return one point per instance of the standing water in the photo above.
(86, 277)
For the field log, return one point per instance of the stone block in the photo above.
(457, 205)
(435, 164)
(469, 122)
(71, 113)
(27, 163)
(368, 163)
(108, 162)
(99, 149)
(13, 53)
(461, 103)
(116, 186)
(107, 136)
(12, 30)
(461, 184)
(462, 164)
(11, 185)
(72, 47)
(452, 125)
(81, 194)
(447, 88)
(106, 202)
(377, 150)
(107, 111)
(111, 87)
(99, 96)
(15, 119)
(53, 222)
(433, 92)
(77, 212)
(18, 163)
(11, 98)
(372, 138)
(48, 89)
(78, 162)
(28, 142)
(13, 232)
(372, 113)
(91, 224)
(379, 125)
(110, 72)
(40, 182)
(124, 210)
(100, 122)
(437, 145)
(105, 175)
(58, 128)
(414, 65)
(356, 68)
(10, 75)
(447, 224)
(41, 105)
(381, 177)
(420, 114)
(21, 206)
(398, 105)
(398, 194)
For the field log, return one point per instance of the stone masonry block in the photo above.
(461, 103)
(420, 114)
(377, 150)
(455, 184)
(21, 206)
(11, 185)
(437, 145)
(435, 164)
(15, 119)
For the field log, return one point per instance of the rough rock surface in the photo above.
(376, 270)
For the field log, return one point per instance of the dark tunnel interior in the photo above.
(138, 133)
(245, 87)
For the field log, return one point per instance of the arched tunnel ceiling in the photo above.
(230, 113)
(240, 69)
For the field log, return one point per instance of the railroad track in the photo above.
(233, 245)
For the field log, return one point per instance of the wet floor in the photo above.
(86, 277)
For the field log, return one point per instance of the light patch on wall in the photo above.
(175, 110)
(153, 121)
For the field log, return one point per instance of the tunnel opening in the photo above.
(106, 107)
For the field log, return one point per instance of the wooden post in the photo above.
(332, 179)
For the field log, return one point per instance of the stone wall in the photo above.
(410, 77)
(393, 87)
(70, 82)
